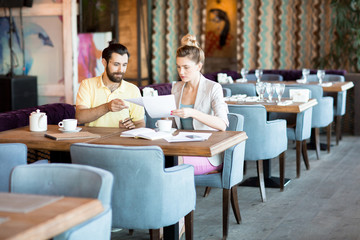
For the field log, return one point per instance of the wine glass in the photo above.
(260, 89)
(320, 75)
(305, 73)
(280, 88)
(258, 74)
(270, 89)
(244, 73)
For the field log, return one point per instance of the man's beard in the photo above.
(115, 77)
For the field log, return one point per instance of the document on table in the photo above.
(156, 106)
(189, 137)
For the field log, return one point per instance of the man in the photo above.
(100, 100)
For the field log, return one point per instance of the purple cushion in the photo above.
(162, 88)
(19, 118)
(213, 76)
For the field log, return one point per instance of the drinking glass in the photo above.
(260, 89)
(305, 73)
(270, 89)
(280, 88)
(321, 75)
(258, 74)
(244, 73)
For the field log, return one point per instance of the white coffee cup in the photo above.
(164, 125)
(68, 124)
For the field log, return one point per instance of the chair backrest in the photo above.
(322, 114)
(327, 78)
(226, 92)
(233, 164)
(265, 139)
(69, 180)
(140, 199)
(266, 77)
(11, 155)
(241, 88)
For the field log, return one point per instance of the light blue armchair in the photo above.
(266, 140)
(145, 195)
(11, 155)
(72, 181)
(241, 88)
(226, 92)
(231, 175)
(340, 107)
(322, 115)
(266, 77)
(299, 130)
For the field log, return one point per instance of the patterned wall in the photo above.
(271, 34)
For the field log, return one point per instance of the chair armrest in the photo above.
(323, 112)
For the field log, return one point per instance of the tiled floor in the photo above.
(323, 204)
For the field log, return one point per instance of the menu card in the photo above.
(24, 203)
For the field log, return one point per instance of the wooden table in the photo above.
(295, 107)
(335, 87)
(218, 142)
(48, 221)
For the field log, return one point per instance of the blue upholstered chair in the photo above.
(340, 106)
(241, 88)
(69, 180)
(322, 115)
(149, 121)
(226, 92)
(266, 140)
(145, 195)
(12, 155)
(299, 130)
(231, 175)
(266, 77)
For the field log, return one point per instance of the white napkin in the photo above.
(251, 99)
(327, 84)
(285, 103)
(301, 81)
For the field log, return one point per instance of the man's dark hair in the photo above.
(114, 48)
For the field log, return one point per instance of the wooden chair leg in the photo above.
(189, 226)
(317, 142)
(282, 170)
(131, 232)
(305, 155)
(244, 171)
(338, 129)
(154, 234)
(207, 191)
(328, 134)
(260, 170)
(226, 204)
(298, 156)
(235, 204)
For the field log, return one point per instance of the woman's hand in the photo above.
(184, 112)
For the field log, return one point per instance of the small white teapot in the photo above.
(38, 121)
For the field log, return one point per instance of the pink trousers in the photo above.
(201, 165)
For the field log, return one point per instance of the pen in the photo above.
(129, 119)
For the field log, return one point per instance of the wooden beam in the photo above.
(68, 49)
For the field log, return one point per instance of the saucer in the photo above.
(171, 131)
(76, 130)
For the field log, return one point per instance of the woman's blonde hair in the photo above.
(190, 48)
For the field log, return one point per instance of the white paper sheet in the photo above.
(156, 106)
(189, 137)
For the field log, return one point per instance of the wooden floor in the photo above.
(324, 203)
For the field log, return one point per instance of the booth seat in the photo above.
(288, 75)
(19, 118)
(162, 88)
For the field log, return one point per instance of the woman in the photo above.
(200, 101)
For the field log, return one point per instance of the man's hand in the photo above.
(116, 105)
(126, 123)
